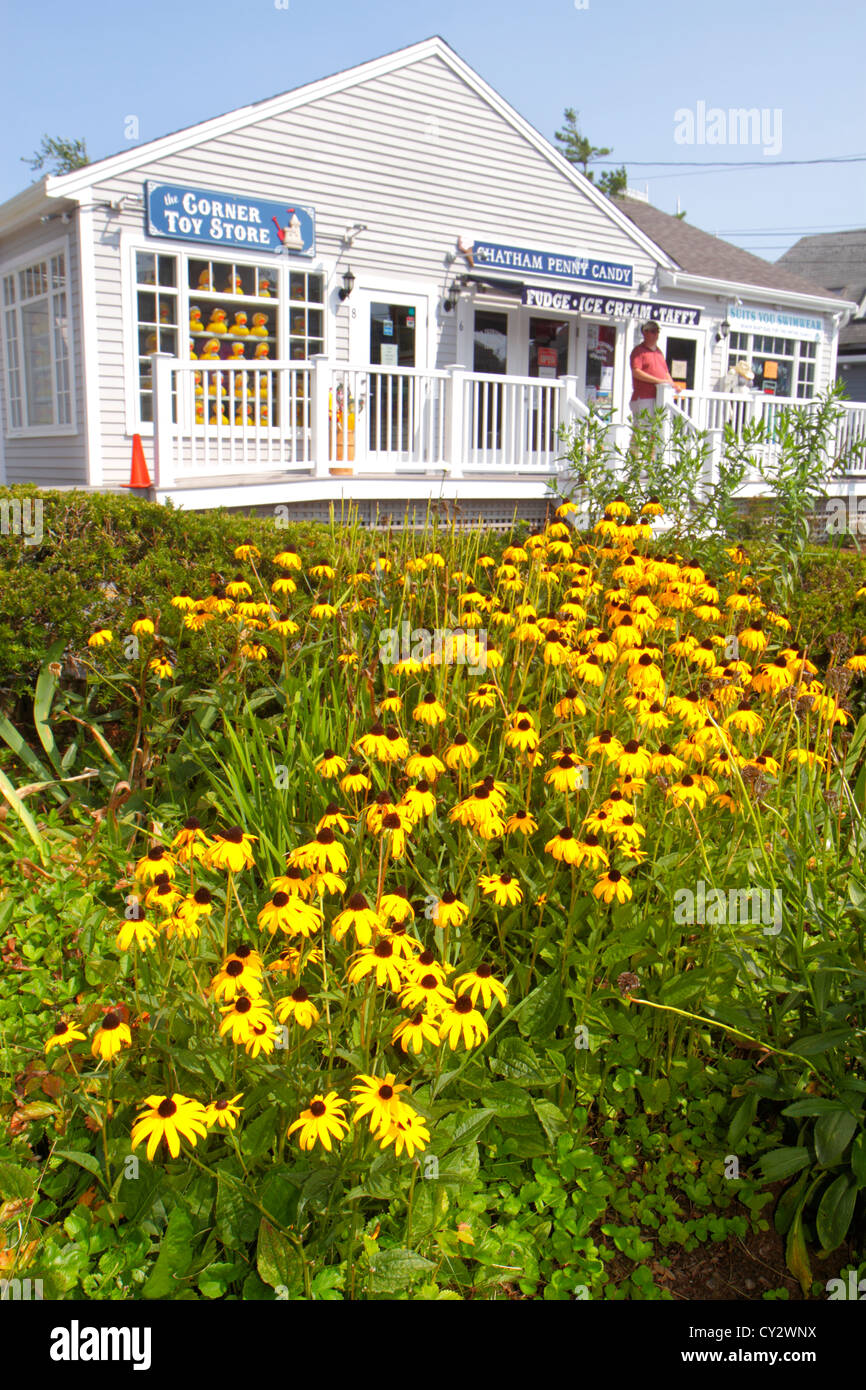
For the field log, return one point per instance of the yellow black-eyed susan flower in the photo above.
(111, 1035)
(462, 1021)
(64, 1034)
(425, 988)
(396, 905)
(190, 842)
(563, 846)
(412, 1033)
(612, 885)
(157, 861)
(521, 823)
(322, 1122)
(450, 911)
(299, 1007)
(381, 961)
(231, 849)
(503, 888)
(419, 801)
(424, 764)
(408, 1132)
(323, 853)
(136, 930)
(481, 981)
(355, 780)
(429, 710)
(290, 913)
(377, 1099)
(223, 1113)
(242, 1015)
(143, 627)
(169, 1119)
(359, 917)
(101, 637)
(460, 753)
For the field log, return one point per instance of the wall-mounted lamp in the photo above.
(348, 285)
(352, 232)
(450, 301)
(723, 331)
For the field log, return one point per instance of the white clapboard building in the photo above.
(385, 286)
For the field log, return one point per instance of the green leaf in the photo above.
(797, 1255)
(814, 1043)
(539, 1015)
(259, 1134)
(681, 988)
(743, 1118)
(835, 1211)
(858, 1158)
(89, 1162)
(516, 1060)
(506, 1099)
(783, 1163)
(277, 1260)
(46, 685)
(833, 1134)
(391, 1270)
(236, 1219)
(21, 811)
(16, 1184)
(551, 1118)
(10, 735)
(175, 1255)
(468, 1129)
(214, 1281)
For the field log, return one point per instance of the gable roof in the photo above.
(699, 253)
(836, 260)
(74, 184)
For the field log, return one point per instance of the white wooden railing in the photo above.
(220, 418)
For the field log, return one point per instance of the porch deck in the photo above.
(228, 434)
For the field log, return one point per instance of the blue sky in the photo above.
(627, 67)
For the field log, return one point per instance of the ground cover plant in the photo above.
(413, 915)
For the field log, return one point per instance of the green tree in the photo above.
(580, 151)
(61, 155)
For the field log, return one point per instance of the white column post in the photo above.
(320, 432)
(163, 425)
(457, 414)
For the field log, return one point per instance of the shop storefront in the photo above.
(400, 309)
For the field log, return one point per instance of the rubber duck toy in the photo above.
(195, 323)
(218, 415)
(260, 326)
(151, 342)
(263, 413)
(237, 352)
(233, 285)
(264, 288)
(243, 414)
(217, 322)
(211, 349)
(262, 351)
(239, 327)
(164, 315)
(192, 352)
(199, 412)
(204, 281)
(198, 386)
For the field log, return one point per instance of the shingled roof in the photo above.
(837, 260)
(699, 253)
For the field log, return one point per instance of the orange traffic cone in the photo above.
(139, 476)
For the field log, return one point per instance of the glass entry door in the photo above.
(395, 332)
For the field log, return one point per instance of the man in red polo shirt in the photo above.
(649, 370)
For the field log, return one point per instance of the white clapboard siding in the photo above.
(416, 154)
(48, 460)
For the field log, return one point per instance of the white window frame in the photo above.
(26, 261)
(133, 242)
(795, 359)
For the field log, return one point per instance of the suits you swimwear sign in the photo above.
(228, 219)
